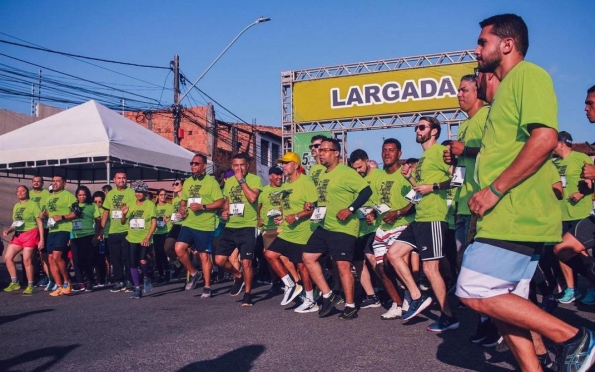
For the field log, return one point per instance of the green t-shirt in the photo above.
(570, 170)
(27, 213)
(451, 210)
(470, 132)
(39, 197)
(208, 190)
(294, 195)
(113, 202)
(58, 204)
(364, 228)
(138, 220)
(315, 172)
(161, 211)
(84, 226)
(176, 205)
(270, 198)
(337, 190)
(525, 96)
(233, 192)
(98, 214)
(391, 190)
(432, 169)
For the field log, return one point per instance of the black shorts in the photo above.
(339, 246)
(243, 238)
(138, 253)
(174, 232)
(584, 232)
(426, 238)
(569, 225)
(58, 241)
(363, 246)
(293, 251)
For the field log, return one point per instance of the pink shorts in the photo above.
(27, 239)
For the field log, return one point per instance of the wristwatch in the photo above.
(241, 181)
(63, 219)
(351, 209)
(436, 187)
(204, 207)
(297, 218)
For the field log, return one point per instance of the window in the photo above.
(189, 132)
(264, 152)
(275, 152)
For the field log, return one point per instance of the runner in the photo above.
(38, 194)
(81, 244)
(102, 264)
(172, 236)
(28, 238)
(164, 211)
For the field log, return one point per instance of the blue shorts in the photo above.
(201, 240)
(58, 241)
(489, 270)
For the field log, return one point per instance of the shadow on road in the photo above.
(54, 354)
(239, 360)
(11, 318)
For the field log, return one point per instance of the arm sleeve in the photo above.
(362, 198)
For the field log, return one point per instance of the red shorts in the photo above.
(27, 239)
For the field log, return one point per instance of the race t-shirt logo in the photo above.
(385, 188)
(117, 201)
(52, 204)
(275, 198)
(322, 185)
(235, 194)
(285, 198)
(315, 175)
(137, 213)
(418, 176)
(194, 191)
(18, 216)
(562, 169)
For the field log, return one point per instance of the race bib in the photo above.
(563, 179)
(116, 215)
(458, 177)
(77, 225)
(137, 224)
(274, 213)
(175, 217)
(318, 214)
(363, 211)
(51, 222)
(160, 224)
(194, 201)
(413, 196)
(236, 209)
(17, 224)
(448, 202)
(381, 208)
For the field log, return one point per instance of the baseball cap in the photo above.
(290, 156)
(275, 170)
(140, 186)
(565, 137)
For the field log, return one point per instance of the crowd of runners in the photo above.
(497, 216)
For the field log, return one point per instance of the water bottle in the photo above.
(102, 247)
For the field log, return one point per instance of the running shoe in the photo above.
(328, 304)
(50, 287)
(100, 285)
(129, 287)
(416, 307)
(29, 290)
(549, 303)
(192, 282)
(570, 295)
(238, 285)
(349, 313)
(423, 285)
(88, 287)
(291, 293)
(247, 300)
(481, 332)
(66, 289)
(370, 302)
(589, 298)
(443, 324)
(78, 288)
(395, 312)
(578, 356)
(406, 301)
(147, 286)
(308, 306)
(493, 337)
(136, 294)
(56, 292)
(275, 287)
(43, 281)
(546, 362)
(12, 287)
(119, 286)
(206, 293)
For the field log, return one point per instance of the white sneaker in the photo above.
(406, 301)
(291, 293)
(395, 312)
(308, 306)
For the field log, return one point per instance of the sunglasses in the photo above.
(175, 184)
(326, 150)
(314, 146)
(195, 163)
(421, 127)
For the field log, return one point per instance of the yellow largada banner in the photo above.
(392, 92)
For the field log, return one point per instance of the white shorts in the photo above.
(383, 240)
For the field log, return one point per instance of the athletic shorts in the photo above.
(426, 238)
(293, 251)
(201, 240)
(495, 267)
(58, 241)
(584, 232)
(383, 239)
(174, 232)
(363, 245)
(339, 246)
(268, 236)
(26, 239)
(243, 238)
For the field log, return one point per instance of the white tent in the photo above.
(88, 141)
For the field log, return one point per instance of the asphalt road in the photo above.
(174, 330)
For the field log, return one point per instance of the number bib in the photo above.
(363, 211)
(194, 201)
(51, 222)
(77, 225)
(175, 217)
(116, 215)
(236, 209)
(563, 179)
(161, 224)
(17, 223)
(382, 208)
(413, 196)
(137, 224)
(318, 214)
(274, 213)
(458, 177)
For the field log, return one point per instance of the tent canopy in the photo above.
(85, 143)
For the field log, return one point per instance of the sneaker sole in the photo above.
(493, 344)
(238, 292)
(449, 328)
(391, 318)
(427, 302)
(566, 302)
(296, 293)
(371, 306)
(309, 310)
(589, 361)
(477, 340)
(338, 300)
(588, 303)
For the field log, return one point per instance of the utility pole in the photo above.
(39, 88)
(211, 131)
(177, 107)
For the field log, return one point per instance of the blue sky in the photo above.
(301, 34)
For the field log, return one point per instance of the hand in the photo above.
(290, 219)
(260, 222)
(238, 174)
(588, 171)
(391, 217)
(195, 207)
(343, 214)
(145, 242)
(57, 218)
(482, 201)
(5, 233)
(278, 220)
(44, 214)
(41, 244)
(370, 217)
(125, 208)
(448, 157)
(99, 236)
(308, 206)
(181, 213)
(166, 219)
(457, 147)
(225, 215)
(406, 172)
(424, 189)
(576, 197)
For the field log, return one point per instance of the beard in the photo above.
(491, 63)
(422, 139)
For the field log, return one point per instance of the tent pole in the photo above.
(107, 173)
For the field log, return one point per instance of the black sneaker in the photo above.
(578, 356)
(78, 288)
(370, 302)
(129, 287)
(192, 281)
(493, 337)
(247, 300)
(119, 286)
(481, 332)
(328, 304)
(276, 288)
(238, 285)
(349, 313)
(88, 287)
(416, 307)
(206, 292)
(546, 362)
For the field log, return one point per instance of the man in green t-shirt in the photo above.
(59, 214)
(316, 168)
(38, 194)
(201, 198)
(341, 192)
(240, 211)
(515, 202)
(425, 236)
(119, 250)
